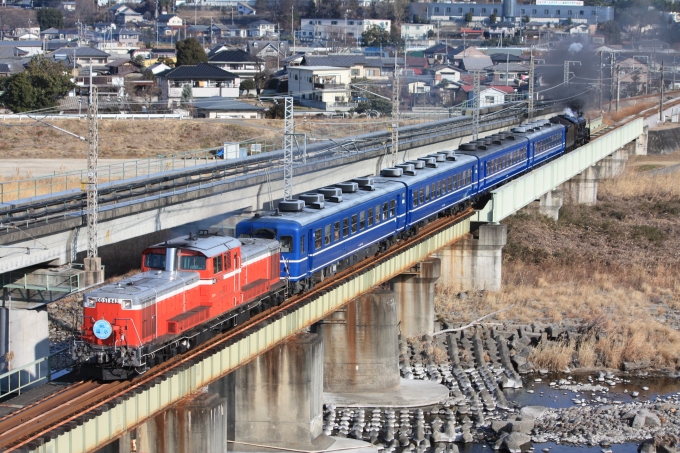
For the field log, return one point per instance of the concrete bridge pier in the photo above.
(414, 294)
(361, 350)
(198, 423)
(582, 188)
(550, 203)
(361, 357)
(612, 165)
(475, 262)
(641, 142)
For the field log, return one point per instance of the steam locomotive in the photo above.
(194, 287)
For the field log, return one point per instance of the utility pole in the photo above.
(292, 27)
(92, 157)
(507, 64)
(618, 85)
(475, 106)
(600, 81)
(611, 80)
(530, 105)
(566, 70)
(661, 95)
(395, 114)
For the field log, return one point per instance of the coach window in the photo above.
(427, 193)
(354, 223)
(286, 244)
(450, 183)
(227, 261)
(302, 244)
(327, 235)
(370, 217)
(393, 210)
(439, 189)
(414, 195)
(192, 263)
(384, 216)
(422, 196)
(217, 264)
(336, 231)
(317, 239)
(377, 214)
(362, 220)
(433, 190)
(345, 227)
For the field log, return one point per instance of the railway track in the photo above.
(82, 401)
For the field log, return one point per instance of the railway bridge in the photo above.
(281, 362)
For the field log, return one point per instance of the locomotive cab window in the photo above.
(317, 239)
(154, 261)
(192, 263)
(286, 244)
(217, 264)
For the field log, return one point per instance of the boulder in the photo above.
(647, 447)
(534, 412)
(513, 443)
(645, 419)
(638, 365)
(500, 425)
(510, 383)
(526, 368)
(522, 426)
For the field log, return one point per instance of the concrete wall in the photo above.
(26, 334)
(414, 291)
(664, 141)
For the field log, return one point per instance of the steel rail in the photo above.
(111, 393)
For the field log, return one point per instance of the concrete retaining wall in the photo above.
(663, 141)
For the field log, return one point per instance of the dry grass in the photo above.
(553, 356)
(119, 139)
(610, 269)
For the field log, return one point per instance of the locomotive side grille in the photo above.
(186, 320)
(149, 321)
(255, 289)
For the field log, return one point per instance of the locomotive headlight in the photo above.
(127, 304)
(89, 303)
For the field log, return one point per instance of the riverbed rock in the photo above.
(637, 365)
(646, 419)
(513, 443)
(510, 383)
(647, 447)
(532, 411)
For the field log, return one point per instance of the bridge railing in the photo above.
(29, 375)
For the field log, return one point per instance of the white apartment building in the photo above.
(337, 29)
(416, 31)
(322, 87)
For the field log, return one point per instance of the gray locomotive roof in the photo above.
(145, 285)
(207, 245)
(252, 248)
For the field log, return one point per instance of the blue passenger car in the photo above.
(317, 242)
(546, 140)
(501, 157)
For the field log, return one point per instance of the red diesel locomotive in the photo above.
(189, 289)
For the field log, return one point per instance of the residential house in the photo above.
(474, 63)
(104, 27)
(245, 9)
(219, 31)
(512, 72)
(122, 66)
(488, 96)
(11, 52)
(27, 48)
(418, 87)
(262, 29)
(117, 9)
(234, 31)
(634, 73)
(238, 62)
(125, 37)
(5, 70)
(506, 57)
(26, 33)
(67, 6)
(169, 20)
(84, 56)
(268, 49)
(128, 16)
(157, 68)
(219, 107)
(445, 72)
(416, 31)
(198, 31)
(322, 87)
(54, 33)
(336, 29)
(205, 80)
(359, 66)
(438, 53)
